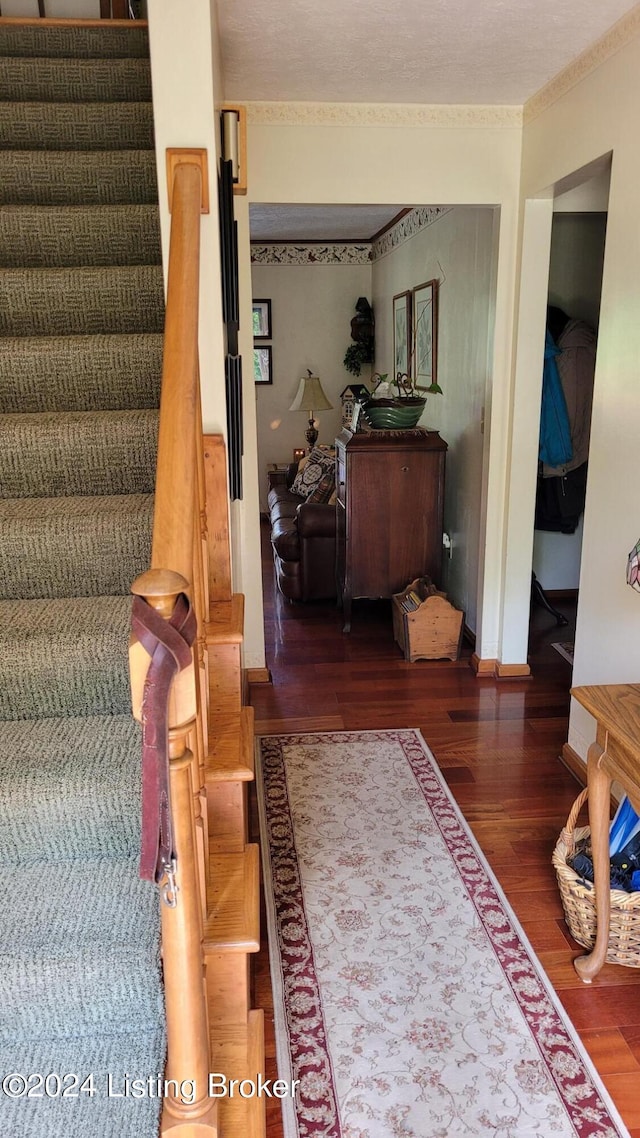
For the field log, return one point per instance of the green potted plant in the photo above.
(399, 411)
(356, 355)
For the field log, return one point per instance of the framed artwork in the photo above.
(425, 330)
(263, 364)
(401, 334)
(262, 320)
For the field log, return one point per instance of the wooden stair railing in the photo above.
(176, 552)
(208, 934)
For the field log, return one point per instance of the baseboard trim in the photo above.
(574, 764)
(483, 667)
(513, 671)
(258, 676)
(495, 670)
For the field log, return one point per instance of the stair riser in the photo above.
(76, 126)
(75, 80)
(137, 1053)
(73, 655)
(70, 785)
(78, 373)
(74, 178)
(109, 980)
(124, 981)
(69, 42)
(83, 454)
(53, 237)
(58, 302)
(72, 554)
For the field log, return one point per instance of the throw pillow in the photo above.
(323, 491)
(319, 463)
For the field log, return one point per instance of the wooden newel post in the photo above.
(182, 950)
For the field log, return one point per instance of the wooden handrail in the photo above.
(178, 564)
(173, 519)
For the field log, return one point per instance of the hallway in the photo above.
(498, 745)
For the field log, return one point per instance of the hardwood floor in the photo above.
(497, 743)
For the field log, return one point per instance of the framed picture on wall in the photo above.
(263, 364)
(262, 320)
(401, 334)
(425, 331)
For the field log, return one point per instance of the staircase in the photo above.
(81, 316)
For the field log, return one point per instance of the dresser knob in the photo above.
(404, 469)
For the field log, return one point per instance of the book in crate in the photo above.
(426, 625)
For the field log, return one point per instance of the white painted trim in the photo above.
(523, 459)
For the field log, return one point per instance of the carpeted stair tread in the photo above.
(73, 42)
(75, 80)
(88, 672)
(78, 453)
(76, 126)
(79, 951)
(58, 236)
(73, 547)
(60, 177)
(80, 373)
(76, 787)
(103, 1115)
(81, 301)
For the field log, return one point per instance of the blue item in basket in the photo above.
(625, 826)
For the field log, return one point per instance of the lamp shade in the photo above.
(310, 396)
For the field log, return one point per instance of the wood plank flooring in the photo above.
(498, 744)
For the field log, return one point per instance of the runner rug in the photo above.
(407, 1000)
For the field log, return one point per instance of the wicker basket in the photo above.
(578, 900)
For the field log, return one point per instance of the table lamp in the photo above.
(310, 397)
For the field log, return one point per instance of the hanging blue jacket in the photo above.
(555, 432)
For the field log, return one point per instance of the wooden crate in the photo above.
(431, 632)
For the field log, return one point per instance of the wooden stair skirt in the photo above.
(232, 924)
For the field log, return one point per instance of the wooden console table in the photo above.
(614, 755)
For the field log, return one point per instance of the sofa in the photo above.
(303, 538)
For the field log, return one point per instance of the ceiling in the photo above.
(319, 222)
(417, 51)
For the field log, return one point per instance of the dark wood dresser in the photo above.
(390, 499)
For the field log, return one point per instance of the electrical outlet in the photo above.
(448, 544)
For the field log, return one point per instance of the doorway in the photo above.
(578, 233)
(312, 287)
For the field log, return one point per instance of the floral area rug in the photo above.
(407, 1000)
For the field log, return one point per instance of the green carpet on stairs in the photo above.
(81, 316)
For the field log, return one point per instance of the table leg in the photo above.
(599, 783)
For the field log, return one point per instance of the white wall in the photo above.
(187, 85)
(458, 250)
(439, 156)
(577, 258)
(311, 310)
(575, 282)
(595, 116)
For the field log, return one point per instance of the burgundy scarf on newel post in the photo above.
(168, 643)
